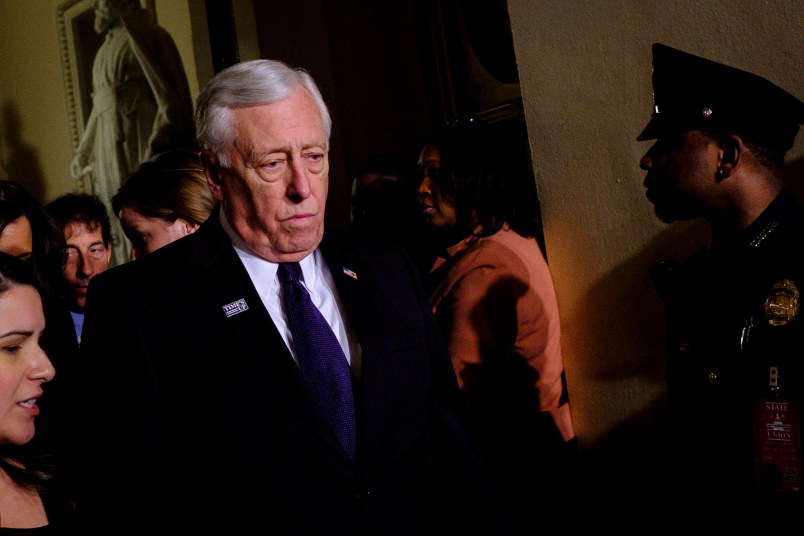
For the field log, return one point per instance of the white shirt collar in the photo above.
(310, 265)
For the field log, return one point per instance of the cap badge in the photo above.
(782, 303)
(706, 111)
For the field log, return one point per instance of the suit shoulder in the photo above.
(505, 250)
(165, 266)
(353, 244)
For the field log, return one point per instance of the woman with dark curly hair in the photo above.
(493, 296)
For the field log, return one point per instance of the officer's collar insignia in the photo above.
(782, 303)
(763, 234)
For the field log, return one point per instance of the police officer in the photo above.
(735, 327)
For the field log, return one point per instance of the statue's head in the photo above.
(107, 12)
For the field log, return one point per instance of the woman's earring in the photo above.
(721, 173)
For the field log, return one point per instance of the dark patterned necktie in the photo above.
(321, 359)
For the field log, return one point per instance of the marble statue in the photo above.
(141, 102)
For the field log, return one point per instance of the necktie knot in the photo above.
(289, 272)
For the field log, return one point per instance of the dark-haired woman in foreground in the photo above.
(29, 497)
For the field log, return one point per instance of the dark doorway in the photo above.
(392, 71)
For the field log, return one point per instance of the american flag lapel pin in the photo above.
(350, 273)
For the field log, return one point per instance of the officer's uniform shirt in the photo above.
(734, 311)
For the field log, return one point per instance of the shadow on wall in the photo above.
(20, 160)
(627, 313)
(628, 342)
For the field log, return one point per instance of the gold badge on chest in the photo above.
(782, 303)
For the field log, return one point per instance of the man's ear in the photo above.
(731, 154)
(211, 170)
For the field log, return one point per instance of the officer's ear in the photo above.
(212, 170)
(731, 153)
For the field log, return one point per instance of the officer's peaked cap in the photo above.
(693, 93)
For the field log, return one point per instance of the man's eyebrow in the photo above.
(253, 155)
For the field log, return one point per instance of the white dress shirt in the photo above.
(318, 281)
(78, 324)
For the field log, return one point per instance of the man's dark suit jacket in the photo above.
(192, 413)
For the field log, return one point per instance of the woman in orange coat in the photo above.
(493, 296)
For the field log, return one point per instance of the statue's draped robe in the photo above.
(141, 106)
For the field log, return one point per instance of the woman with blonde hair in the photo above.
(166, 198)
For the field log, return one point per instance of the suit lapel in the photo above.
(355, 279)
(346, 272)
(228, 287)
